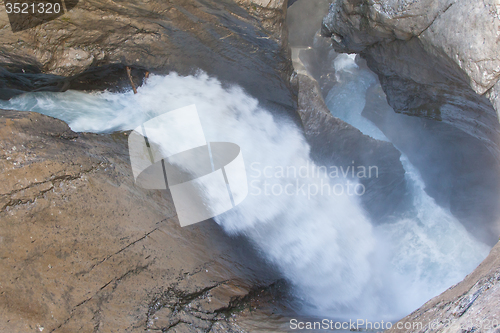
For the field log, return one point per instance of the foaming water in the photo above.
(338, 264)
(428, 249)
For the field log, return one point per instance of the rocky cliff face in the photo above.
(82, 249)
(155, 36)
(334, 142)
(435, 59)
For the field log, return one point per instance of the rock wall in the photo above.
(430, 65)
(435, 59)
(155, 36)
(334, 142)
(82, 249)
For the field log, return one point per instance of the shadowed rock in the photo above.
(334, 142)
(428, 57)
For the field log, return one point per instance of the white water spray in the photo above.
(338, 263)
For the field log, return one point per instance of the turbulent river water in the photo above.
(338, 263)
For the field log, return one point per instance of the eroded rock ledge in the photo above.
(436, 59)
(156, 36)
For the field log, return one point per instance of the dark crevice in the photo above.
(19, 79)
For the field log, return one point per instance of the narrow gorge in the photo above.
(369, 132)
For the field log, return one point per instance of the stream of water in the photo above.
(338, 264)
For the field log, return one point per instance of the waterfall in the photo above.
(303, 218)
(428, 249)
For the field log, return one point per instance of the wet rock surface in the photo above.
(435, 59)
(241, 42)
(465, 179)
(18, 79)
(334, 142)
(85, 250)
(82, 248)
(425, 68)
(470, 306)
